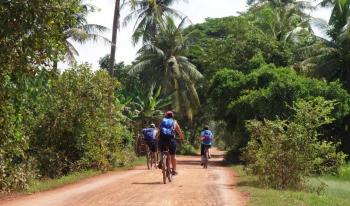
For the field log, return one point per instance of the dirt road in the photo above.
(138, 187)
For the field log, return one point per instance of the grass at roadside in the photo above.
(336, 193)
(47, 184)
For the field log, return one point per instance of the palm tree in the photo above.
(162, 62)
(283, 23)
(339, 17)
(82, 33)
(149, 15)
(115, 27)
(331, 58)
(281, 3)
(284, 19)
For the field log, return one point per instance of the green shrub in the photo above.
(186, 149)
(16, 167)
(81, 125)
(344, 172)
(283, 152)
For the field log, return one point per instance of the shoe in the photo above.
(174, 173)
(202, 164)
(160, 165)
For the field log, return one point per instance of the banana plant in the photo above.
(149, 105)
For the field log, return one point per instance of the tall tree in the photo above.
(280, 3)
(82, 33)
(339, 16)
(162, 61)
(331, 57)
(284, 19)
(283, 23)
(115, 27)
(150, 15)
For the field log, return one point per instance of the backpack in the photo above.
(206, 137)
(167, 128)
(149, 134)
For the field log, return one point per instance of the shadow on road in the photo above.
(146, 183)
(197, 162)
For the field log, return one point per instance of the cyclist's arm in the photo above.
(179, 131)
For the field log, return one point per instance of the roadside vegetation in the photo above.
(39, 185)
(275, 94)
(320, 191)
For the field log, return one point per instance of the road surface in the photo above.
(194, 186)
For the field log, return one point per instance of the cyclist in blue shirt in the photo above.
(206, 139)
(168, 129)
(150, 137)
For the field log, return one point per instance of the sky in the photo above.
(196, 10)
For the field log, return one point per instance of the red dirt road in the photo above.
(138, 187)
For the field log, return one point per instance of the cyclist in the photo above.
(150, 137)
(206, 141)
(168, 128)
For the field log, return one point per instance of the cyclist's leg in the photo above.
(172, 152)
(209, 146)
(157, 150)
(152, 147)
(161, 147)
(202, 153)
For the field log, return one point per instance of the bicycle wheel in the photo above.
(164, 168)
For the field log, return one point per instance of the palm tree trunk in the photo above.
(114, 36)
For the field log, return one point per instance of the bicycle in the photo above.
(206, 157)
(151, 158)
(166, 170)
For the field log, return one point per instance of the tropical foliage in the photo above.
(164, 59)
(82, 33)
(258, 67)
(284, 152)
(330, 57)
(150, 16)
(267, 93)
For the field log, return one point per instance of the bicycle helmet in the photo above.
(152, 125)
(169, 114)
(206, 127)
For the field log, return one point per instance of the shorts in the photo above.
(203, 146)
(165, 145)
(152, 145)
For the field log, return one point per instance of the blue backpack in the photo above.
(149, 134)
(167, 128)
(207, 136)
